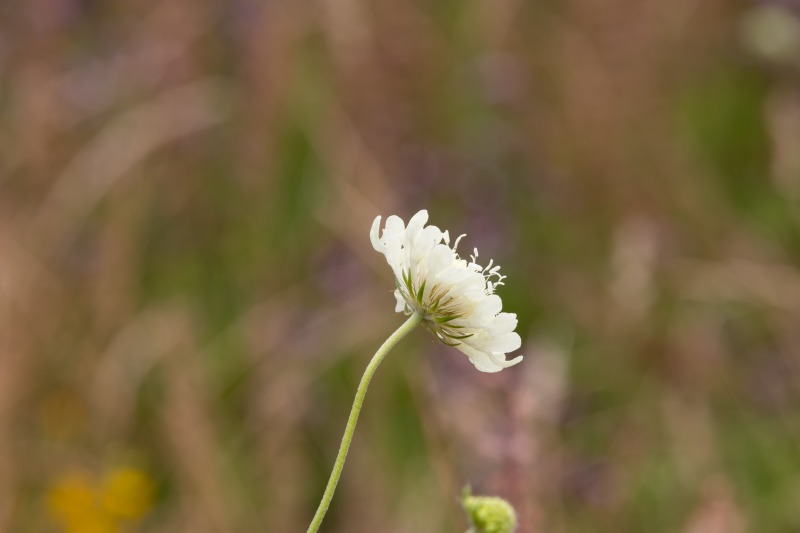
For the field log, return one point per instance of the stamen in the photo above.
(474, 256)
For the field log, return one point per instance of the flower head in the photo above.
(127, 493)
(80, 504)
(455, 296)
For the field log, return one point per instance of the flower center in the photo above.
(440, 309)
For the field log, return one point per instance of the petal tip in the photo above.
(374, 235)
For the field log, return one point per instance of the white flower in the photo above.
(455, 296)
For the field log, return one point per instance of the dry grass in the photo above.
(187, 286)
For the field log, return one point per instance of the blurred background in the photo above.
(188, 294)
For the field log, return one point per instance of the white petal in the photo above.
(481, 360)
(512, 362)
(471, 285)
(375, 236)
(484, 341)
(416, 223)
(506, 343)
(489, 307)
(427, 239)
(401, 303)
(502, 323)
(394, 226)
(440, 258)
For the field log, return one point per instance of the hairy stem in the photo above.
(395, 337)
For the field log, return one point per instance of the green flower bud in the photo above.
(489, 514)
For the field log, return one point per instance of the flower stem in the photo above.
(395, 337)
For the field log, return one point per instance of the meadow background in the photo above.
(188, 294)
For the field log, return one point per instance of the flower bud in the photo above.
(489, 514)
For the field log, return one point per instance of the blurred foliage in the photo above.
(187, 284)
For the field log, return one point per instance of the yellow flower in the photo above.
(71, 498)
(127, 493)
(80, 504)
(95, 522)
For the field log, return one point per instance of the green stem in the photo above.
(401, 332)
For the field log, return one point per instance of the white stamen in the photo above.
(458, 240)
